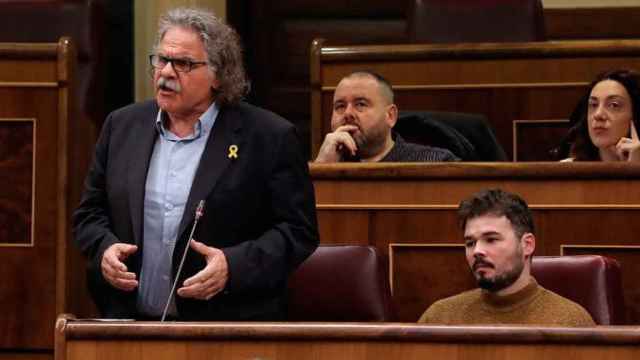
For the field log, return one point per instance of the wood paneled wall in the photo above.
(591, 23)
(43, 158)
(408, 212)
(277, 36)
(539, 82)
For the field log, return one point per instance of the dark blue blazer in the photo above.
(260, 210)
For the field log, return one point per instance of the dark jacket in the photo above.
(260, 210)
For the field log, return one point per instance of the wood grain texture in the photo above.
(117, 340)
(45, 278)
(587, 204)
(281, 78)
(32, 355)
(592, 23)
(536, 140)
(29, 273)
(503, 81)
(16, 175)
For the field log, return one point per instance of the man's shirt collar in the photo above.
(201, 128)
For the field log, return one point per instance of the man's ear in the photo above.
(528, 241)
(215, 85)
(392, 115)
(215, 81)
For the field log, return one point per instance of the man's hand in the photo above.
(336, 144)
(113, 268)
(210, 280)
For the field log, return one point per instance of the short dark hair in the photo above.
(385, 85)
(582, 148)
(499, 203)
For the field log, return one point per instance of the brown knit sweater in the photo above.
(533, 305)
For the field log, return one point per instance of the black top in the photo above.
(403, 151)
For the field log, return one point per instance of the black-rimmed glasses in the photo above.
(180, 65)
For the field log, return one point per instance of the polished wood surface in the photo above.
(16, 164)
(506, 82)
(33, 86)
(21, 355)
(42, 165)
(408, 211)
(599, 22)
(281, 78)
(77, 339)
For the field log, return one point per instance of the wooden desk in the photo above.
(408, 212)
(83, 340)
(540, 82)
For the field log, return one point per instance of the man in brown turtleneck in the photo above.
(499, 241)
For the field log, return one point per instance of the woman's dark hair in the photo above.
(581, 146)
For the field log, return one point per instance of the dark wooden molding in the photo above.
(90, 330)
(28, 50)
(470, 51)
(542, 170)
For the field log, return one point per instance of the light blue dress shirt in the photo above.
(171, 171)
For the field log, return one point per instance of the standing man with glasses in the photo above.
(156, 160)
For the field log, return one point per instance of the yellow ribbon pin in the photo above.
(233, 152)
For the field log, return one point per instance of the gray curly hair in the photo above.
(222, 44)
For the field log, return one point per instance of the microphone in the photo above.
(199, 213)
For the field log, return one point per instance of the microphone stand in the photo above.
(199, 213)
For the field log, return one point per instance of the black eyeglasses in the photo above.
(180, 65)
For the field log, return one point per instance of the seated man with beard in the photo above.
(499, 241)
(361, 122)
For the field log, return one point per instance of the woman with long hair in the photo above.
(607, 118)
